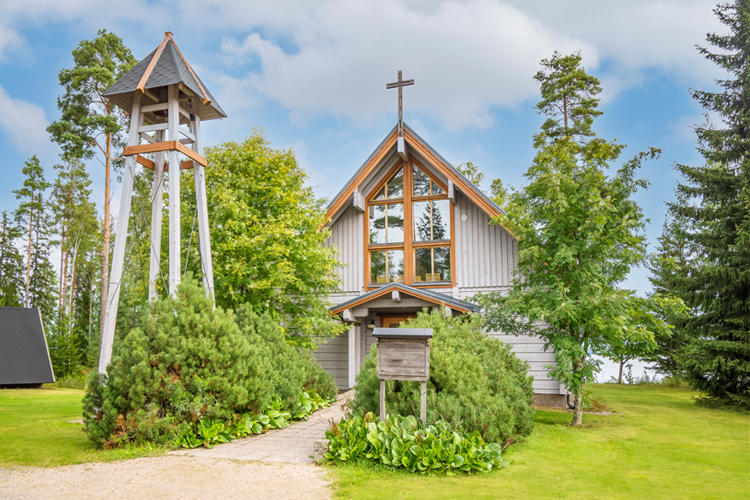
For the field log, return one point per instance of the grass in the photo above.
(34, 430)
(658, 444)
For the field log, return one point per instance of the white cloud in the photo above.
(24, 123)
(9, 40)
(465, 58)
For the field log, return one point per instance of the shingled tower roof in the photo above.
(162, 67)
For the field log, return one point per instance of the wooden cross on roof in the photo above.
(400, 84)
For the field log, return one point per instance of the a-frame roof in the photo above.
(413, 140)
(420, 293)
(164, 66)
(24, 356)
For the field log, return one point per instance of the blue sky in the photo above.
(313, 75)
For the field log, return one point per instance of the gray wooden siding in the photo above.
(333, 356)
(348, 236)
(485, 254)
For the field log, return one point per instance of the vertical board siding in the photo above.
(486, 254)
(347, 235)
(333, 356)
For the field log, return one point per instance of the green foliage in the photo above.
(713, 209)
(184, 361)
(471, 172)
(290, 369)
(209, 432)
(403, 442)
(11, 265)
(476, 382)
(266, 232)
(178, 361)
(579, 233)
(85, 114)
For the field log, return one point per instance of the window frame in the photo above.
(409, 244)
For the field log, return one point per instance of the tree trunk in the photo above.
(28, 259)
(578, 410)
(619, 379)
(105, 243)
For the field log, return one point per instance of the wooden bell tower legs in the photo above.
(121, 238)
(154, 271)
(169, 150)
(202, 214)
(175, 273)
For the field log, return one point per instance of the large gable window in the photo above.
(409, 229)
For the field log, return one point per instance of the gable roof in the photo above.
(431, 155)
(420, 293)
(24, 357)
(164, 66)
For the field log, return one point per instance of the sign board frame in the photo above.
(403, 354)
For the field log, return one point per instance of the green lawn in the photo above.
(657, 445)
(34, 430)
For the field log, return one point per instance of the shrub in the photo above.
(185, 360)
(292, 370)
(475, 382)
(402, 442)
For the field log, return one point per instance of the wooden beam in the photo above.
(148, 138)
(206, 100)
(348, 316)
(451, 192)
(358, 200)
(164, 146)
(142, 83)
(144, 161)
(154, 107)
(396, 296)
(401, 149)
(153, 128)
(447, 171)
(339, 202)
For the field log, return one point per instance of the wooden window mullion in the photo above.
(408, 224)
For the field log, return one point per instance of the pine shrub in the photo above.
(476, 382)
(183, 361)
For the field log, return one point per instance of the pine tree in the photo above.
(714, 202)
(89, 123)
(11, 265)
(30, 208)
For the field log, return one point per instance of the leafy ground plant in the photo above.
(402, 442)
(208, 432)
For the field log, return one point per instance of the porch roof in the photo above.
(420, 293)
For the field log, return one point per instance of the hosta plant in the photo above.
(402, 442)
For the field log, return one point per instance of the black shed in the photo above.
(24, 355)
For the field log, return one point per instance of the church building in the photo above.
(413, 233)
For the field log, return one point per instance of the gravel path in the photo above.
(294, 444)
(275, 465)
(169, 477)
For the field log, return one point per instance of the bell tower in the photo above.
(166, 102)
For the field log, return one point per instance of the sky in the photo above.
(312, 75)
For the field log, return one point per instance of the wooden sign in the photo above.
(403, 354)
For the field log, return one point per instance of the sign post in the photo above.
(403, 354)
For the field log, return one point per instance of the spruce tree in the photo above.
(11, 265)
(714, 202)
